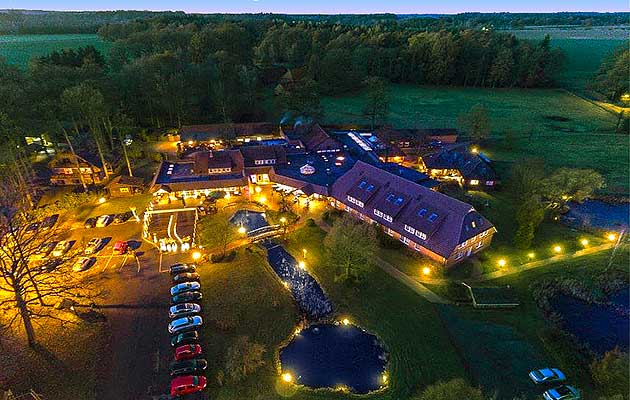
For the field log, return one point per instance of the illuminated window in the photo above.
(433, 217)
(474, 181)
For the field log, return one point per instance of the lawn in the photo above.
(525, 328)
(579, 133)
(19, 49)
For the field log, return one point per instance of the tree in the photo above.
(476, 122)
(612, 77)
(525, 181)
(570, 184)
(33, 286)
(377, 105)
(302, 99)
(351, 245)
(243, 358)
(216, 230)
(455, 389)
(610, 373)
(529, 215)
(501, 71)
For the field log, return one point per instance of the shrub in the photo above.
(310, 223)
(610, 373)
(243, 358)
(455, 389)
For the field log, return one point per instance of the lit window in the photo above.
(362, 185)
(370, 188)
(433, 217)
(422, 212)
(404, 240)
(390, 197)
(474, 181)
(399, 201)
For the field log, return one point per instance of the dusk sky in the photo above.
(326, 6)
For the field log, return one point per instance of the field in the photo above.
(555, 125)
(19, 49)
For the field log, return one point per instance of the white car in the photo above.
(183, 310)
(93, 246)
(103, 221)
(83, 263)
(185, 287)
(183, 324)
(62, 248)
(547, 375)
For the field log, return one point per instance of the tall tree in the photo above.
(377, 100)
(476, 122)
(570, 184)
(350, 244)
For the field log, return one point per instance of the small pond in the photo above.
(600, 326)
(250, 220)
(334, 356)
(598, 214)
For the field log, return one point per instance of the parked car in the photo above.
(103, 221)
(32, 228)
(564, 392)
(120, 247)
(93, 246)
(183, 324)
(62, 248)
(187, 352)
(45, 250)
(183, 385)
(183, 310)
(181, 268)
(186, 297)
(186, 277)
(188, 367)
(185, 338)
(90, 223)
(83, 263)
(185, 287)
(122, 217)
(49, 222)
(547, 375)
(50, 265)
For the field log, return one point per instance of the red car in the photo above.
(183, 385)
(187, 352)
(120, 247)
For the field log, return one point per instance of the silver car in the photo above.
(183, 324)
(185, 287)
(547, 375)
(183, 310)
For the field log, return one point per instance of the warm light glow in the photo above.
(241, 230)
(283, 220)
(565, 197)
(584, 242)
(502, 262)
(257, 189)
(302, 265)
(345, 321)
(531, 255)
(262, 199)
(287, 377)
(196, 255)
(474, 150)
(227, 195)
(101, 200)
(474, 182)
(297, 331)
(426, 271)
(612, 237)
(385, 377)
(557, 249)
(625, 97)
(190, 142)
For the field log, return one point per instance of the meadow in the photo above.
(19, 49)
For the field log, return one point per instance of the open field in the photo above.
(18, 49)
(557, 126)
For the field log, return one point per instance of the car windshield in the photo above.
(563, 391)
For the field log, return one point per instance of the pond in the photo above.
(335, 356)
(600, 326)
(250, 220)
(598, 214)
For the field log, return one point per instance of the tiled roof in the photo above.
(219, 131)
(253, 153)
(470, 165)
(445, 221)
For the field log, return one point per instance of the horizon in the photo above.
(325, 7)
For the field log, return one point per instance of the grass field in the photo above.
(557, 126)
(19, 49)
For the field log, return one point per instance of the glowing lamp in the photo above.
(257, 189)
(287, 377)
(612, 237)
(241, 230)
(283, 220)
(302, 265)
(474, 150)
(502, 262)
(345, 321)
(196, 255)
(426, 271)
(531, 255)
(101, 200)
(584, 242)
(262, 199)
(557, 249)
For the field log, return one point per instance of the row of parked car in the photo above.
(104, 220)
(548, 376)
(188, 368)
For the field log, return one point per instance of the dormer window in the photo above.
(422, 212)
(362, 185)
(433, 217)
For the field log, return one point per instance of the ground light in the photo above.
(258, 189)
(196, 255)
(262, 199)
(302, 265)
(385, 378)
(557, 249)
(426, 271)
(283, 220)
(102, 200)
(241, 230)
(345, 321)
(612, 237)
(584, 242)
(502, 262)
(474, 150)
(531, 255)
(287, 377)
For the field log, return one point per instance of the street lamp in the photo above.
(502, 262)
(584, 242)
(101, 200)
(304, 253)
(302, 265)
(612, 237)
(196, 255)
(557, 249)
(287, 377)
(531, 255)
(241, 230)
(426, 271)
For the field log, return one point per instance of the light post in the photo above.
(304, 254)
(283, 222)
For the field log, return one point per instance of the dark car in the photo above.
(186, 277)
(49, 222)
(90, 223)
(123, 217)
(50, 265)
(181, 268)
(186, 297)
(185, 338)
(188, 367)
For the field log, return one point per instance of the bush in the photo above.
(227, 257)
(610, 373)
(243, 358)
(310, 223)
(455, 389)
